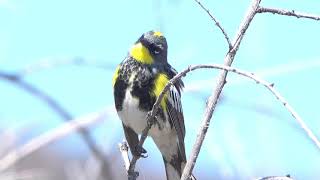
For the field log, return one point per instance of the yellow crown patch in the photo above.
(158, 33)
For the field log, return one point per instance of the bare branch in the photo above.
(69, 127)
(31, 89)
(251, 12)
(213, 99)
(124, 149)
(288, 13)
(269, 86)
(287, 177)
(216, 23)
(18, 81)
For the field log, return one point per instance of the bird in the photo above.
(137, 82)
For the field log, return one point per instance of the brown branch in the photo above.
(213, 99)
(69, 127)
(216, 23)
(288, 13)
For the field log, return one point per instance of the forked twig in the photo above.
(213, 99)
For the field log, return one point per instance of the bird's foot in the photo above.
(151, 119)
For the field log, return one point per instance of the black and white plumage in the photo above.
(137, 83)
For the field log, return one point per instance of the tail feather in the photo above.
(173, 155)
(174, 170)
(192, 177)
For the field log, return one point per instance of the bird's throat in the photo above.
(140, 53)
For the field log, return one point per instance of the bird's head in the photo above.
(150, 48)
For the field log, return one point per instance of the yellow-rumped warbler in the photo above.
(138, 81)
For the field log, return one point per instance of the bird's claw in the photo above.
(151, 119)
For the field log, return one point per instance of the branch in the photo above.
(69, 127)
(124, 149)
(17, 80)
(287, 13)
(51, 102)
(216, 23)
(156, 106)
(213, 99)
(287, 177)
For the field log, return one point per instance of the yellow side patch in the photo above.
(158, 33)
(115, 75)
(140, 53)
(159, 84)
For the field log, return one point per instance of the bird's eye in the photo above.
(156, 49)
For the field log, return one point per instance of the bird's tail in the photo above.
(174, 169)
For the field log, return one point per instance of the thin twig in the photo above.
(287, 177)
(132, 175)
(270, 87)
(216, 23)
(213, 99)
(67, 128)
(124, 149)
(288, 13)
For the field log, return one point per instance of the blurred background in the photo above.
(57, 60)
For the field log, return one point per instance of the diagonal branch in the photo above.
(29, 88)
(69, 127)
(124, 149)
(213, 99)
(216, 23)
(57, 108)
(288, 13)
(211, 102)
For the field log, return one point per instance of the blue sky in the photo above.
(251, 134)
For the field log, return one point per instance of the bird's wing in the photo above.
(174, 109)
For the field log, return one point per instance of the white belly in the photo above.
(131, 116)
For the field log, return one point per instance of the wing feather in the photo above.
(174, 109)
